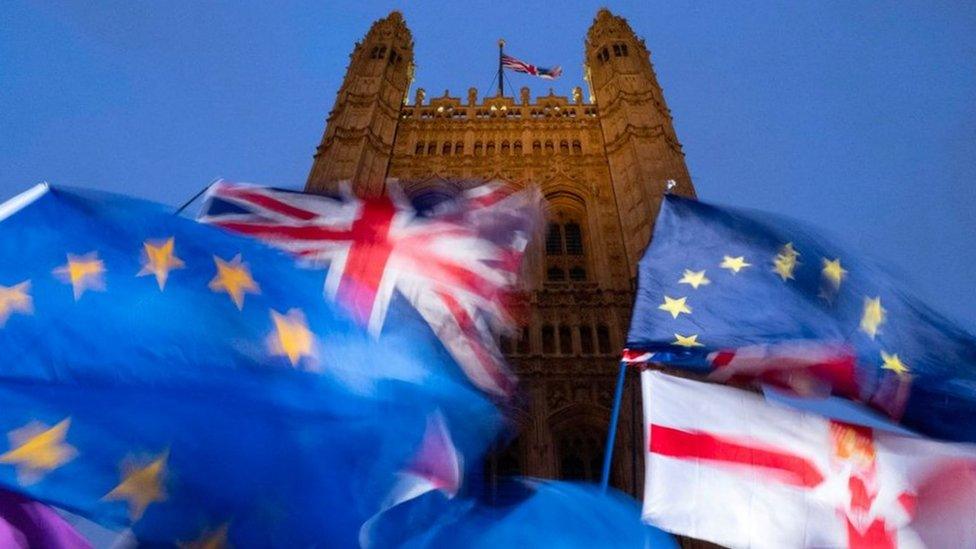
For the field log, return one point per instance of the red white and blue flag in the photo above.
(456, 267)
(518, 65)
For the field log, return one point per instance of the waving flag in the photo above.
(740, 295)
(193, 385)
(456, 267)
(518, 65)
(724, 466)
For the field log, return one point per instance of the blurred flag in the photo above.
(518, 65)
(193, 385)
(741, 295)
(25, 523)
(724, 466)
(456, 266)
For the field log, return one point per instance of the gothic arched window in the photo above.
(431, 148)
(574, 238)
(603, 56)
(620, 50)
(478, 148)
(548, 340)
(554, 239)
(459, 147)
(517, 147)
(522, 346)
(549, 147)
(577, 147)
(490, 149)
(446, 148)
(603, 339)
(420, 148)
(506, 147)
(536, 147)
(565, 340)
(564, 147)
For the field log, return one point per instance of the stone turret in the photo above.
(360, 130)
(641, 145)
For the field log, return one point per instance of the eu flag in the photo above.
(740, 294)
(195, 385)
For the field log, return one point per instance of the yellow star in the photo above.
(734, 264)
(786, 261)
(833, 272)
(83, 273)
(38, 449)
(15, 299)
(694, 279)
(234, 278)
(159, 259)
(141, 486)
(675, 306)
(292, 337)
(212, 539)
(893, 363)
(873, 317)
(686, 341)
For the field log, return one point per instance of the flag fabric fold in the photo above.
(725, 466)
(738, 295)
(518, 65)
(194, 385)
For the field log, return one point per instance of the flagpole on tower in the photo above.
(501, 74)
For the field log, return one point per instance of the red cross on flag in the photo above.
(725, 466)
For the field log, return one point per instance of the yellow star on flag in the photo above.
(694, 278)
(212, 539)
(83, 273)
(38, 449)
(675, 306)
(893, 363)
(234, 278)
(292, 337)
(141, 486)
(159, 259)
(734, 264)
(873, 316)
(786, 261)
(686, 341)
(833, 272)
(15, 299)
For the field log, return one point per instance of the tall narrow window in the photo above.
(549, 147)
(554, 239)
(431, 148)
(446, 148)
(574, 239)
(577, 147)
(522, 345)
(459, 147)
(490, 149)
(517, 147)
(536, 147)
(603, 339)
(586, 339)
(506, 147)
(420, 148)
(565, 340)
(603, 56)
(548, 340)
(478, 148)
(564, 147)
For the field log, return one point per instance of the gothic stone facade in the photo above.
(601, 161)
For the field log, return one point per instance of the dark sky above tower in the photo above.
(860, 119)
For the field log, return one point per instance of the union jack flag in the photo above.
(518, 65)
(456, 266)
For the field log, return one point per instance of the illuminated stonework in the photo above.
(602, 161)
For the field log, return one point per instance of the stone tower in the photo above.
(641, 145)
(360, 130)
(602, 164)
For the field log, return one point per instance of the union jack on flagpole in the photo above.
(456, 267)
(518, 65)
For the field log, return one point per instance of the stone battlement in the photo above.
(545, 106)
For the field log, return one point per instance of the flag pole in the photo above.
(195, 197)
(501, 74)
(612, 434)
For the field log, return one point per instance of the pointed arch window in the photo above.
(478, 148)
(420, 148)
(536, 147)
(446, 148)
(620, 50)
(554, 239)
(574, 238)
(522, 345)
(459, 147)
(603, 56)
(549, 148)
(577, 147)
(586, 339)
(506, 147)
(431, 148)
(565, 340)
(603, 339)
(564, 147)
(490, 148)
(548, 340)
(517, 147)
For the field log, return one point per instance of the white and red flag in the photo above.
(725, 466)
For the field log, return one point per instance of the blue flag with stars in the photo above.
(194, 385)
(739, 295)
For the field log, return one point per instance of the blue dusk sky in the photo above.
(857, 117)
